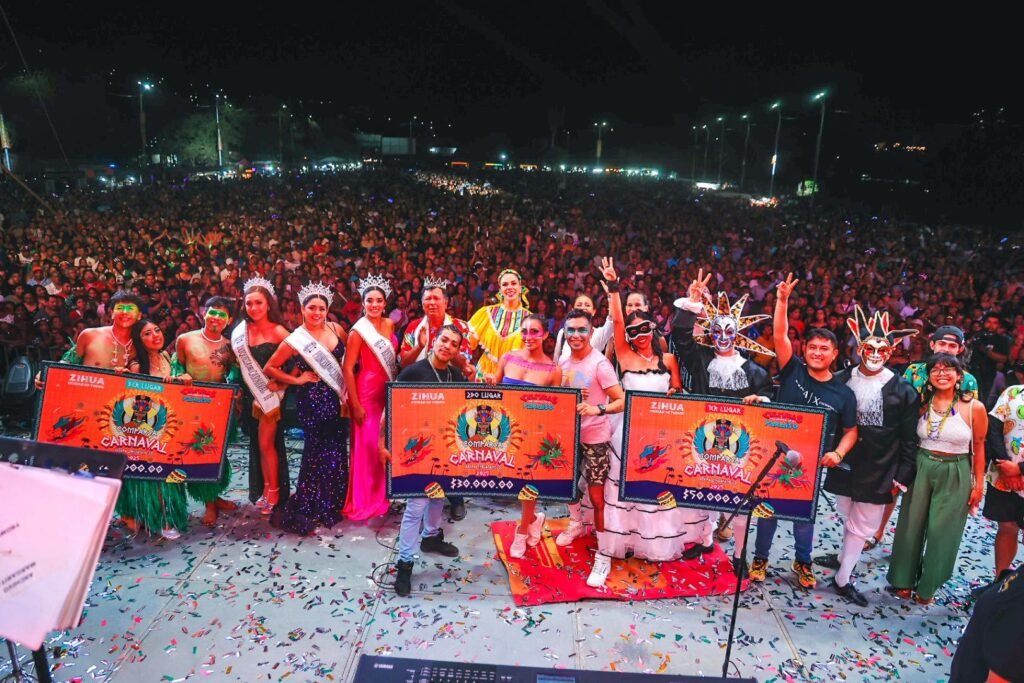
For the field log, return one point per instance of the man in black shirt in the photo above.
(990, 350)
(422, 518)
(807, 383)
(990, 648)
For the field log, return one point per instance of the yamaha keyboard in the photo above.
(373, 669)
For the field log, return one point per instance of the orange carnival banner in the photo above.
(468, 440)
(706, 452)
(169, 431)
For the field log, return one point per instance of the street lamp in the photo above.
(721, 150)
(280, 134)
(707, 144)
(600, 128)
(775, 154)
(144, 86)
(746, 141)
(693, 157)
(820, 97)
(220, 143)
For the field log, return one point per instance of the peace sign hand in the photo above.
(699, 287)
(786, 288)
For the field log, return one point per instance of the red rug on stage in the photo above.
(549, 573)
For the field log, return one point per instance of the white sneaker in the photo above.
(599, 574)
(518, 548)
(536, 529)
(575, 529)
(171, 534)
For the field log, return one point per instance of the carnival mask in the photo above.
(877, 339)
(723, 333)
(875, 353)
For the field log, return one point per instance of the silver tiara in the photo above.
(431, 283)
(316, 289)
(259, 282)
(378, 281)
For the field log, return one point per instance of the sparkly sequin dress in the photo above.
(323, 474)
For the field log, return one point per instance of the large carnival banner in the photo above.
(469, 440)
(169, 431)
(705, 452)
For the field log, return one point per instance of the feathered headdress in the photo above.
(875, 327)
(735, 311)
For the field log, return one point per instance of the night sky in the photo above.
(511, 67)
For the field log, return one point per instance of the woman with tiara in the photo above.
(318, 348)
(371, 344)
(254, 340)
(530, 366)
(495, 329)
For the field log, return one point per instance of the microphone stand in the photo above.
(752, 501)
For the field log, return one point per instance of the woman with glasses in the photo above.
(528, 366)
(949, 483)
(647, 531)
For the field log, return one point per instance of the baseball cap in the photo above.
(948, 333)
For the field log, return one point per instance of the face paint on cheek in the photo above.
(127, 309)
(217, 316)
(875, 356)
(723, 333)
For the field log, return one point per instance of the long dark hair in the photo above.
(273, 309)
(655, 343)
(141, 352)
(942, 360)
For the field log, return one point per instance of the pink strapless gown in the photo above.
(367, 484)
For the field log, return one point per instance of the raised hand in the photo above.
(699, 287)
(786, 288)
(608, 269)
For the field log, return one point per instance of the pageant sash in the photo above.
(252, 374)
(380, 346)
(322, 361)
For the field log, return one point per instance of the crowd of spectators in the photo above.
(175, 245)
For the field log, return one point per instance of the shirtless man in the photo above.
(207, 357)
(108, 347)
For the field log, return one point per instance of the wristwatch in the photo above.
(603, 408)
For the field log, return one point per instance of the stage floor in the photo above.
(243, 602)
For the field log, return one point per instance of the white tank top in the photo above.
(952, 436)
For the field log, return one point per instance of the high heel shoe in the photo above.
(270, 501)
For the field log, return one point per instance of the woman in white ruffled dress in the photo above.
(645, 531)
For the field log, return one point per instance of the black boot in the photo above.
(437, 544)
(403, 578)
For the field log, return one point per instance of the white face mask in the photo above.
(875, 354)
(723, 333)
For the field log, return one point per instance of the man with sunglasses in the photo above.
(588, 370)
(206, 356)
(717, 368)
